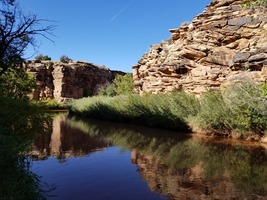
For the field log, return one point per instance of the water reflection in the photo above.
(62, 141)
(178, 167)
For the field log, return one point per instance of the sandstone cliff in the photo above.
(61, 81)
(224, 44)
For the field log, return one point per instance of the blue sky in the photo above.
(114, 33)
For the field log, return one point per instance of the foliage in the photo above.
(264, 89)
(65, 59)
(169, 111)
(236, 111)
(20, 120)
(122, 85)
(17, 32)
(42, 57)
(52, 104)
(241, 108)
(253, 3)
(212, 115)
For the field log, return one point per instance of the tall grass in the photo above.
(166, 111)
(236, 111)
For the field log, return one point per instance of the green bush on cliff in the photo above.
(264, 89)
(65, 59)
(42, 57)
(253, 3)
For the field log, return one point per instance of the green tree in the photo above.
(65, 59)
(20, 119)
(122, 84)
(42, 57)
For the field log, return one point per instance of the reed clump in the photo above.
(237, 111)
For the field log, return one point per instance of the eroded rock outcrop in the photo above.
(224, 44)
(63, 81)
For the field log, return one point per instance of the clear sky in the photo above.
(114, 33)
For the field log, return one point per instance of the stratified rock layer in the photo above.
(64, 81)
(223, 45)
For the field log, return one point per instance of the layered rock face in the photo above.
(224, 44)
(61, 81)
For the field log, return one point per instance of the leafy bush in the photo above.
(65, 59)
(212, 115)
(42, 57)
(253, 3)
(122, 85)
(241, 109)
(264, 89)
(16, 84)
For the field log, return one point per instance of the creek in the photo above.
(88, 159)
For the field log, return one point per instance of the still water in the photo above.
(85, 159)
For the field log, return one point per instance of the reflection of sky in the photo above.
(106, 174)
(87, 166)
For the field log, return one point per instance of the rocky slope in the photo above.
(61, 81)
(224, 44)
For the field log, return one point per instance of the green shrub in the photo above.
(241, 108)
(249, 107)
(122, 85)
(16, 84)
(264, 89)
(42, 57)
(212, 115)
(253, 3)
(65, 59)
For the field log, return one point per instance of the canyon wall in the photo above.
(64, 81)
(226, 43)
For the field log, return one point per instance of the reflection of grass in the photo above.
(244, 166)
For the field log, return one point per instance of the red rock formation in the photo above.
(224, 44)
(63, 81)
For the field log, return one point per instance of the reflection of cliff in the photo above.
(188, 167)
(188, 183)
(63, 141)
